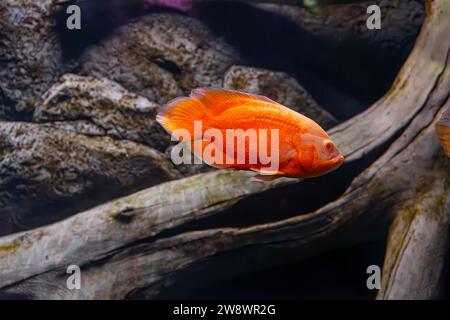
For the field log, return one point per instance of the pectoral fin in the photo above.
(266, 175)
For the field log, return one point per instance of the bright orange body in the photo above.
(303, 149)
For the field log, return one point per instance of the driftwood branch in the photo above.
(418, 243)
(143, 242)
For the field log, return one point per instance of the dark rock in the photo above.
(30, 57)
(103, 108)
(47, 174)
(160, 56)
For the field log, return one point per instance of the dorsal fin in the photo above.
(217, 100)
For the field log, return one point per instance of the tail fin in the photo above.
(181, 113)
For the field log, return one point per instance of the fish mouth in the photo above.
(339, 159)
(327, 167)
(336, 162)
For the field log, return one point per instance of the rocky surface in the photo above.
(280, 87)
(160, 56)
(400, 21)
(47, 173)
(103, 108)
(29, 55)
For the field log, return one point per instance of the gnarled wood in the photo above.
(418, 243)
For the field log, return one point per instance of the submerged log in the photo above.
(138, 244)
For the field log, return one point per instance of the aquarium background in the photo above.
(83, 146)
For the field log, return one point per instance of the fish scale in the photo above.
(256, 117)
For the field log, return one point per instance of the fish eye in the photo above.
(328, 145)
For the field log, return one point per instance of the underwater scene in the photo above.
(197, 150)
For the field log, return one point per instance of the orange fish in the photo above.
(301, 148)
(443, 131)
